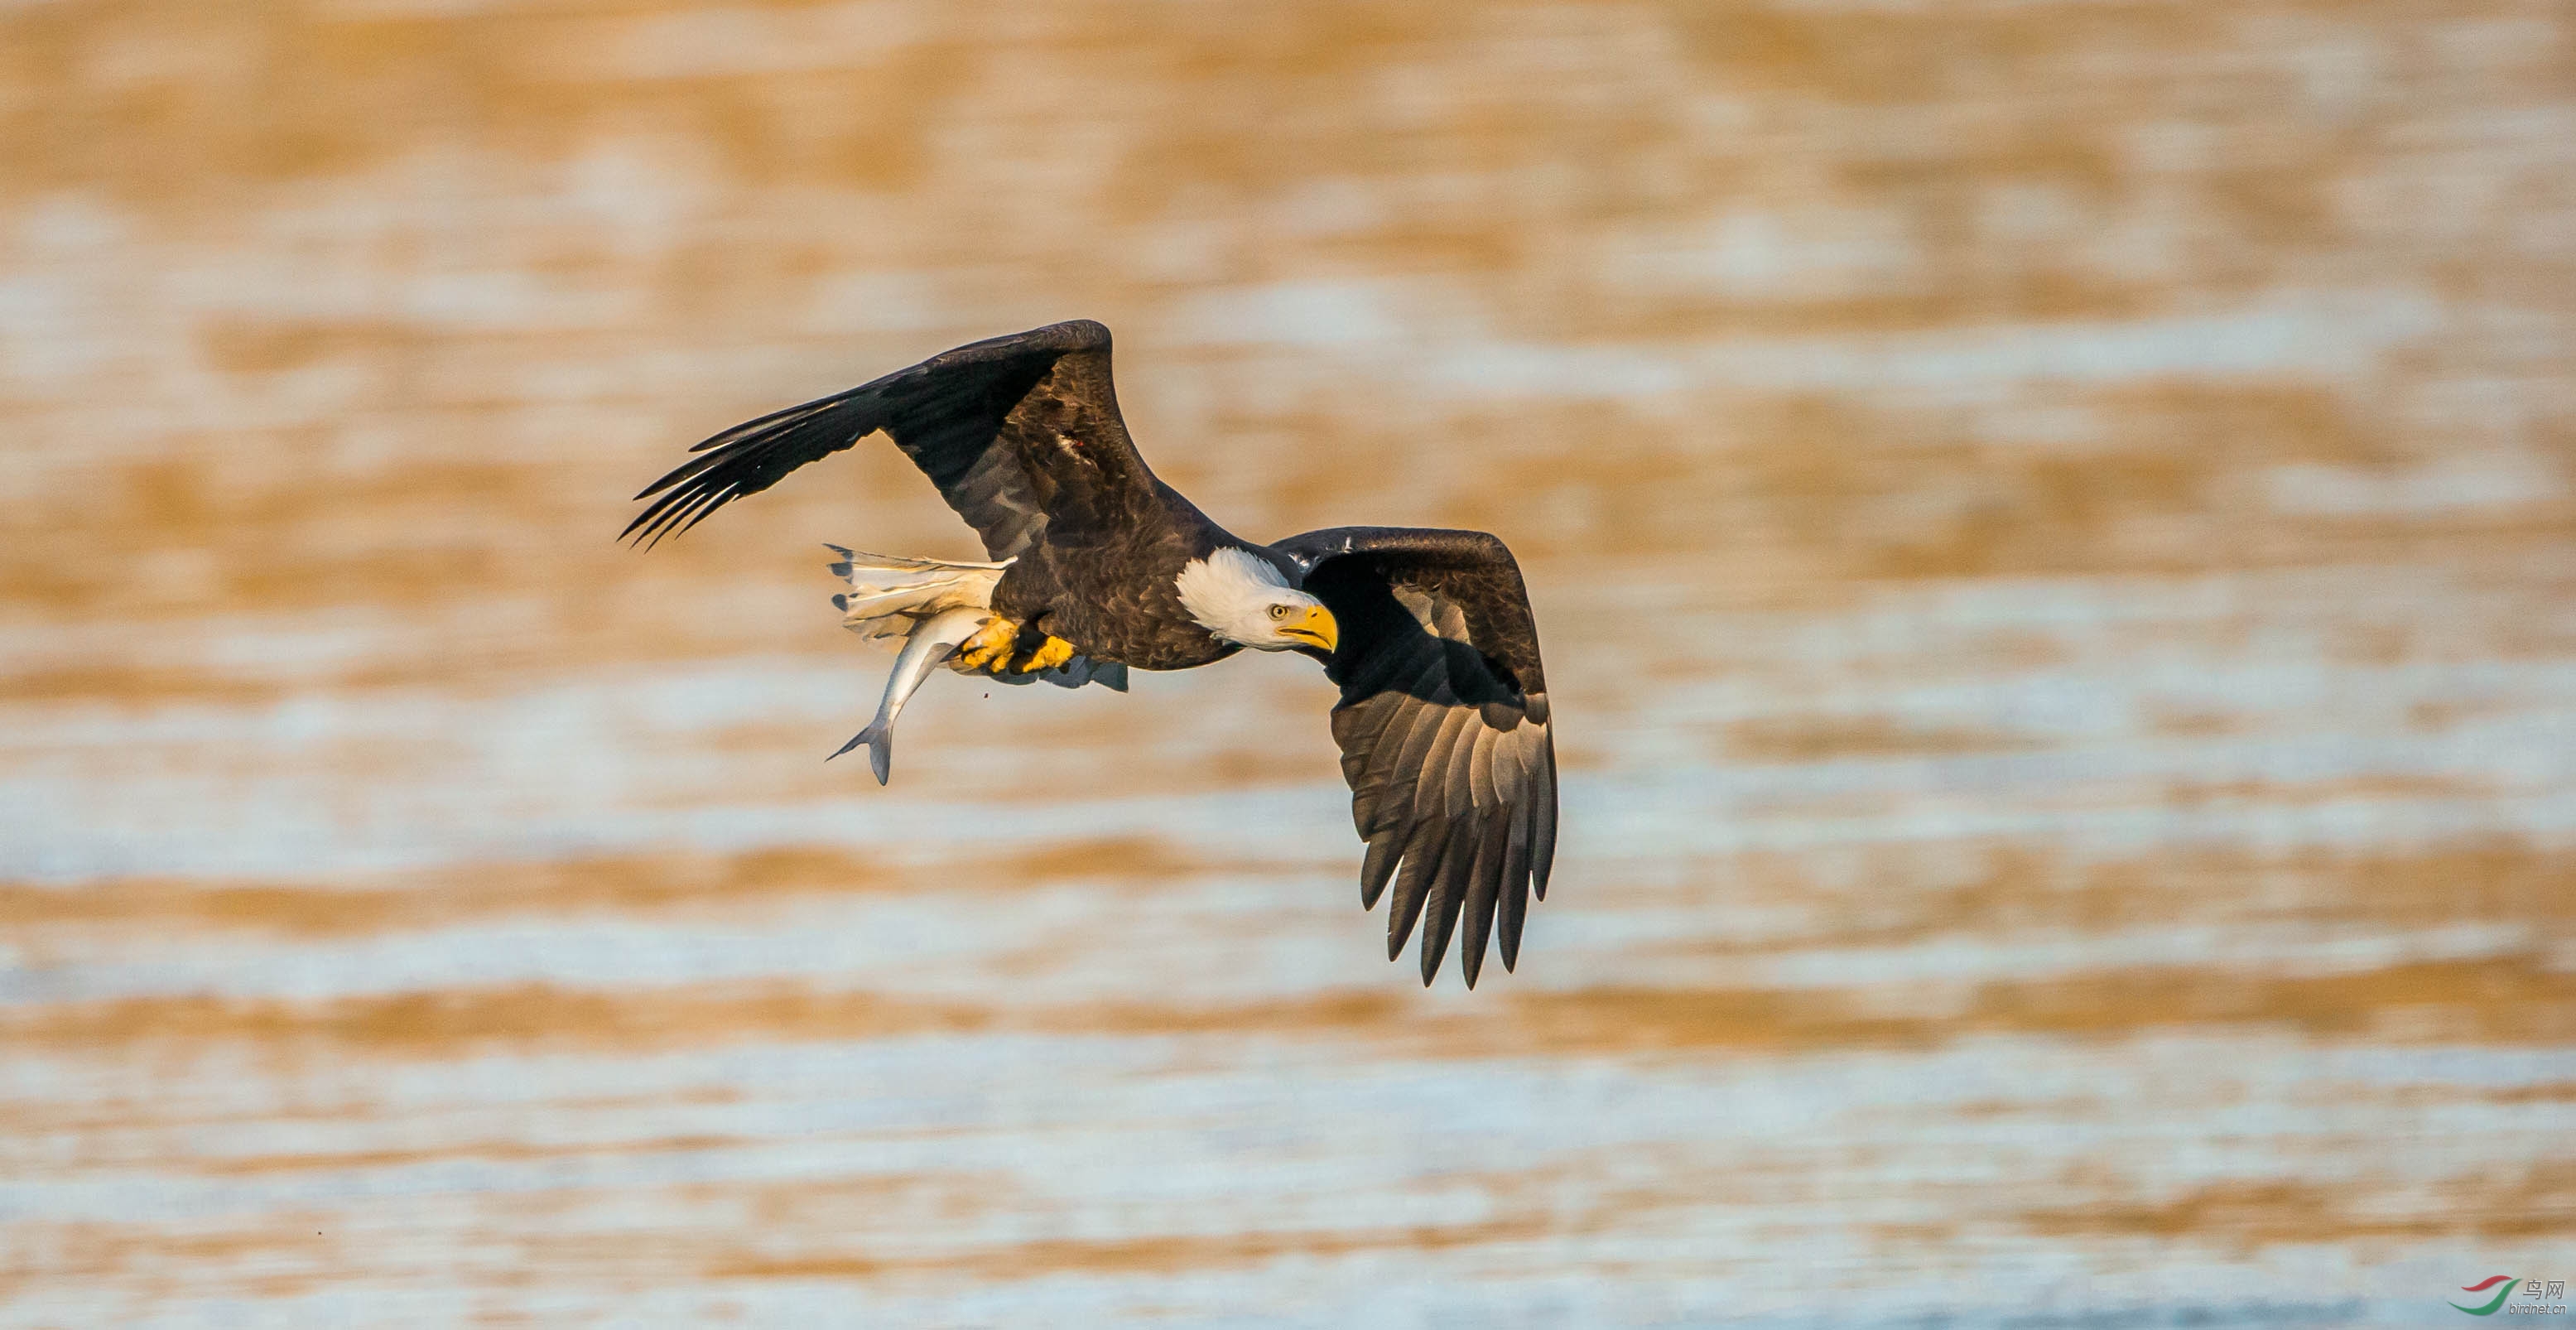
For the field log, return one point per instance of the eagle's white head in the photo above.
(1244, 599)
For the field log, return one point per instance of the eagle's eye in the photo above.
(1278, 611)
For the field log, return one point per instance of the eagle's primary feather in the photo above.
(1443, 720)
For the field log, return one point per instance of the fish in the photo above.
(929, 645)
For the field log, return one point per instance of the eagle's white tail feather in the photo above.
(891, 595)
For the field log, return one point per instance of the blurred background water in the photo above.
(2051, 522)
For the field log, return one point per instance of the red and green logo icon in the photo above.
(2502, 1284)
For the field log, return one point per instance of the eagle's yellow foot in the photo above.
(1053, 652)
(990, 647)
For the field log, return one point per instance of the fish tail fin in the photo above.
(880, 750)
(879, 738)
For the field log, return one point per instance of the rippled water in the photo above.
(2053, 533)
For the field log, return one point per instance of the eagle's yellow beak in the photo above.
(1315, 625)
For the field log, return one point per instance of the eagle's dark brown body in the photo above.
(1109, 588)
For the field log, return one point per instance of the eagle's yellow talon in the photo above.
(1053, 652)
(989, 647)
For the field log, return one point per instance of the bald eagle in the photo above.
(1097, 566)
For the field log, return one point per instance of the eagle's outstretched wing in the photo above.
(1443, 726)
(970, 418)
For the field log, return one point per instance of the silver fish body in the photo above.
(937, 638)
